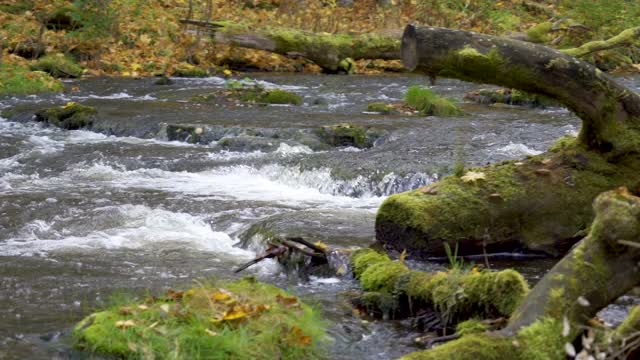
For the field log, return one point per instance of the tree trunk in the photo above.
(602, 267)
(326, 50)
(610, 112)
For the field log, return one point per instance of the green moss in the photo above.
(505, 207)
(188, 70)
(470, 347)
(472, 326)
(630, 325)
(15, 80)
(380, 107)
(58, 66)
(457, 295)
(540, 32)
(345, 135)
(542, 340)
(71, 116)
(278, 96)
(362, 259)
(382, 276)
(429, 103)
(200, 324)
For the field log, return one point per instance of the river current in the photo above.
(85, 214)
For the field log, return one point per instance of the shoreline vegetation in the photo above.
(128, 38)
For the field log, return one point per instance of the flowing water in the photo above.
(85, 215)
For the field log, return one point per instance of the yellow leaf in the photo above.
(165, 308)
(220, 296)
(472, 176)
(125, 324)
(321, 245)
(68, 105)
(135, 67)
(403, 256)
(234, 315)
(227, 72)
(210, 333)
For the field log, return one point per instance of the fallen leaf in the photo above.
(143, 307)
(403, 256)
(125, 324)
(234, 315)
(165, 308)
(287, 300)
(220, 295)
(210, 333)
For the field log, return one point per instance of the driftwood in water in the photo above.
(332, 52)
(288, 246)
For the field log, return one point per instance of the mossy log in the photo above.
(602, 267)
(541, 204)
(393, 290)
(627, 37)
(332, 52)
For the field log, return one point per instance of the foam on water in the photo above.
(125, 227)
(517, 150)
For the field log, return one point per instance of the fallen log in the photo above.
(627, 37)
(603, 266)
(541, 204)
(332, 52)
(610, 112)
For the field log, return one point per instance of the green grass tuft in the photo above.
(430, 103)
(15, 80)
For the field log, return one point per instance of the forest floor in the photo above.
(144, 38)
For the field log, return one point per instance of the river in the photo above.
(85, 215)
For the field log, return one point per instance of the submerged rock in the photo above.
(71, 116)
(243, 319)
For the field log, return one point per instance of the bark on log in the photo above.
(326, 50)
(610, 112)
(626, 38)
(603, 266)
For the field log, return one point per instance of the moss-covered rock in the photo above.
(188, 70)
(58, 66)
(15, 80)
(542, 204)
(278, 96)
(234, 320)
(508, 97)
(429, 103)
(456, 295)
(380, 107)
(345, 135)
(71, 116)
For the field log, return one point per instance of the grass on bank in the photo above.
(17, 80)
